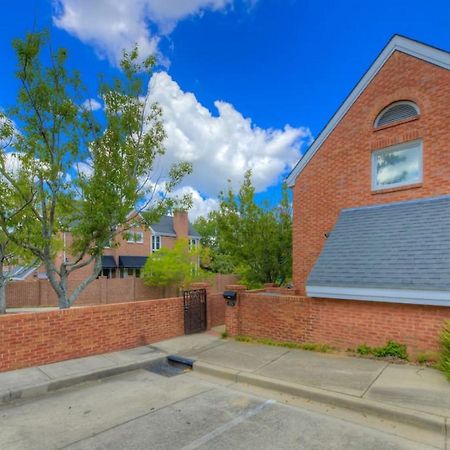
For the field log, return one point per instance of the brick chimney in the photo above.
(181, 223)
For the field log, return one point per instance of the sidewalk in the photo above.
(34, 381)
(419, 388)
(404, 393)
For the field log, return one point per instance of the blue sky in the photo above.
(280, 68)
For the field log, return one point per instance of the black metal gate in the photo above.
(194, 311)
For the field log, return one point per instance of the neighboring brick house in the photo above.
(371, 195)
(129, 256)
(133, 247)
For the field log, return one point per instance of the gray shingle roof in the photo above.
(193, 232)
(165, 227)
(403, 245)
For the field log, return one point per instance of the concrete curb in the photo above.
(51, 385)
(425, 421)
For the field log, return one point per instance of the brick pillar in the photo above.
(232, 316)
(208, 301)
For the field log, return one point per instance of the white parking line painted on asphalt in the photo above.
(225, 427)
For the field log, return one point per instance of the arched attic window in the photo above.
(397, 112)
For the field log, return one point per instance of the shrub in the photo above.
(444, 362)
(364, 350)
(391, 349)
(224, 334)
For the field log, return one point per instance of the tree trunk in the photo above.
(60, 282)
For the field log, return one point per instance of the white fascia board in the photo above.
(409, 296)
(400, 43)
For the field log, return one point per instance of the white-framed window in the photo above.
(156, 242)
(399, 165)
(135, 237)
(193, 244)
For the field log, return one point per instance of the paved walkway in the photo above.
(416, 390)
(404, 385)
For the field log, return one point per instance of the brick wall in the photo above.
(101, 291)
(216, 305)
(46, 337)
(339, 174)
(340, 323)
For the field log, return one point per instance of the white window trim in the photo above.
(409, 296)
(392, 105)
(194, 243)
(404, 146)
(155, 237)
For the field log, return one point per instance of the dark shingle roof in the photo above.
(165, 227)
(402, 245)
(193, 232)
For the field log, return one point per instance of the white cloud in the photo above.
(91, 104)
(222, 147)
(12, 162)
(112, 25)
(200, 206)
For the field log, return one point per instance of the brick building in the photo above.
(132, 248)
(371, 194)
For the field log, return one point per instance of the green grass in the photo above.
(444, 361)
(323, 348)
(391, 350)
(224, 334)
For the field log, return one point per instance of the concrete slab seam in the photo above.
(374, 380)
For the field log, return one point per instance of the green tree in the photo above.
(218, 261)
(254, 240)
(177, 266)
(14, 261)
(79, 171)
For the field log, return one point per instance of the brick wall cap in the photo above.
(235, 287)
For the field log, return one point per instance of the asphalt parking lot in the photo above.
(166, 410)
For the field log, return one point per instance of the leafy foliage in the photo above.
(248, 239)
(444, 362)
(392, 349)
(177, 266)
(77, 171)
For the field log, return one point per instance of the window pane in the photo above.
(397, 167)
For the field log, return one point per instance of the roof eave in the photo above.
(403, 44)
(387, 295)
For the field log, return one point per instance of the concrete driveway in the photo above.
(148, 410)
